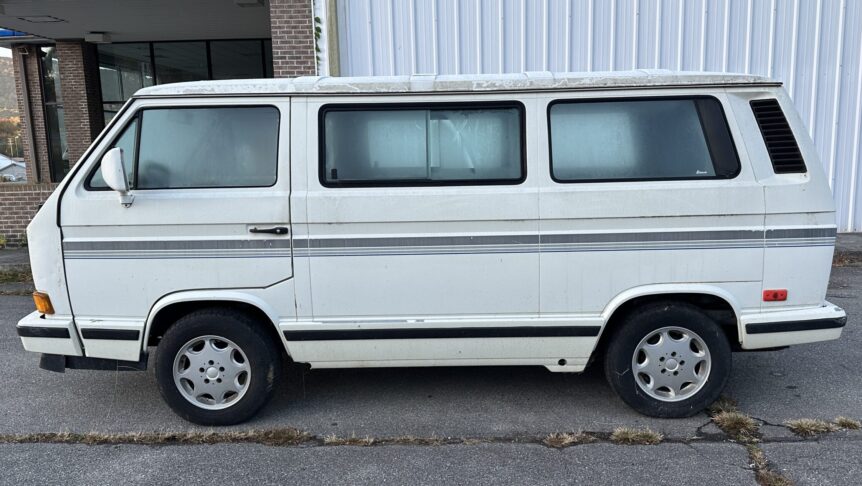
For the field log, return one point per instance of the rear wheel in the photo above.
(668, 360)
(217, 367)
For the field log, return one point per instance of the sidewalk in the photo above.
(848, 246)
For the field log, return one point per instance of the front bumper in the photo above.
(789, 327)
(49, 334)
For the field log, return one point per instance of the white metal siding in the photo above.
(814, 46)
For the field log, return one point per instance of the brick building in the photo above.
(77, 61)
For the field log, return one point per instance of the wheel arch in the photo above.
(712, 299)
(171, 307)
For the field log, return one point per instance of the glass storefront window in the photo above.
(180, 61)
(124, 69)
(236, 59)
(127, 67)
(58, 154)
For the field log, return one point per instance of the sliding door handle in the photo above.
(278, 230)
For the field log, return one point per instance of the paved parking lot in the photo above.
(502, 412)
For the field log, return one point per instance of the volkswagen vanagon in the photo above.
(652, 221)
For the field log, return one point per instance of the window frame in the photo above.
(648, 179)
(443, 105)
(138, 114)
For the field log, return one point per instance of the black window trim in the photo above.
(647, 179)
(396, 106)
(138, 114)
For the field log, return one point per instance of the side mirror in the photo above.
(114, 173)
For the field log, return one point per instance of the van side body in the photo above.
(535, 269)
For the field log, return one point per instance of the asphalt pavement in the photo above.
(501, 412)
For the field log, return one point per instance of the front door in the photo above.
(210, 210)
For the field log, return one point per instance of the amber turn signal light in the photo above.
(43, 302)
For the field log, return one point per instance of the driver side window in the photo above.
(126, 141)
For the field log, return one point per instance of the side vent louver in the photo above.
(780, 143)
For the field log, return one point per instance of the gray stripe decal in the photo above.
(148, 245)
(433, 245)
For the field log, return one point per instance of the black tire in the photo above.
(640, 323)
(264, 361)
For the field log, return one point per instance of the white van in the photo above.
(656, 221)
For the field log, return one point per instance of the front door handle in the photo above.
(278, 230)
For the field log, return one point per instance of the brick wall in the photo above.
(292, 27)
(18, 205)
(31, 62)
(79, 82)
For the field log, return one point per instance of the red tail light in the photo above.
(775, 295)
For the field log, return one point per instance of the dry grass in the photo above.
(15, 276)
(737, 426)
(332, 439)
(413, 440)
(629, 436)
(847, 423)
(723, 404)
(561, 440)
(810, 427)
(846, 260)
(275, 437)
(762, 474)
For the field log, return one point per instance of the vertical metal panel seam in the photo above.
(635, 19)
(434, 26)
(836, 94)
(749, 26)
(613, 47)
(794, 48)
(680, 35)
(523, 36)
(391, 9)
(703, 14)
(657, 53)
(590, 32)
(770, 64)
(568, 48)
(479, 60)
(812, 106)
(726, 47)
(854, 160)
(457, 49)
(413, 34)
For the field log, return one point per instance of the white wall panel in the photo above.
(814, 46)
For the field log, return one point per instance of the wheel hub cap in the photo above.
(671, 364)
(211, 372)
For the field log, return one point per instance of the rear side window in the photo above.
(640, 139)
(778, 136)
(421, 145)
(174, 148)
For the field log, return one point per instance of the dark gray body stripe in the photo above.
(794, 326)
(112, 334)
(150, 245)
(429, 245)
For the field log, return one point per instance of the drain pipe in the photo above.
(28, 114)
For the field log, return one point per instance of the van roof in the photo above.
(426, 83)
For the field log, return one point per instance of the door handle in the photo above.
(278, 230)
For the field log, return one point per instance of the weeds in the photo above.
(15, 276)
(847, 423)
(629, 436)
(810, 427)
(567, 439)
(737, 426)
(332, 439)
(762, 473)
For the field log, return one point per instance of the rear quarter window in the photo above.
(640, 139)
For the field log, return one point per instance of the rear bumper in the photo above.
(48, 334)
(788, 327)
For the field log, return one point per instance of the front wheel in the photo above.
(668, 360)
(216, 367)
